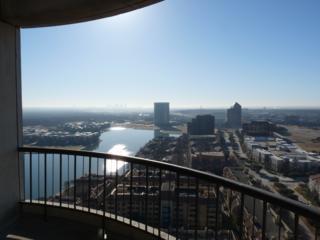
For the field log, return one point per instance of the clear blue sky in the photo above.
(192, 53)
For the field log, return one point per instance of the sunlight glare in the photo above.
(111, 164)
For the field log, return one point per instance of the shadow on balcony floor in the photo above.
(36, 228)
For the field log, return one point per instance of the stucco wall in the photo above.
(10, 109)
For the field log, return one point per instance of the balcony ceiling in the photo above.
(39, 13)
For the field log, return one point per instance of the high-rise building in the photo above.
(259, 128)
(202, 125)
(161, 114)
(234, 116)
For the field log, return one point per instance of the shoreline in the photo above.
(93, 146)
(134, 126)
(71, 147)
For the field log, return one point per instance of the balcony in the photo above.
(139, 198)
(64, 194)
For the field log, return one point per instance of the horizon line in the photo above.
(171, 108)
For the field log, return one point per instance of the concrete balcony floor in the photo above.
(35, 227)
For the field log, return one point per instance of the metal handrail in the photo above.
(283, 202)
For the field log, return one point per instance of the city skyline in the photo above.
(150, 108)
(206, 55)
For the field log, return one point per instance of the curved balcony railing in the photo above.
(166, 200)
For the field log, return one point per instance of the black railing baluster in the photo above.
(131, 191)
(89, 185)
(30, 176)
(159, 204)
(264, 220)
(188, 204)
(177, 203)
(217, 211)
(241, 216)
(197, 208)
(169, 220)
(97, 186)
(253, 218)
(124, 184)
(296, 226)
(45, 185)
(82, 184)
(52, 178)
(75, 182)
(60, 179)
(153, 222)
(116, 192)
(229, 202)
(316, 231)
(24, 177)
(68, 175)
(139, 214)
(207, 211)
(280, 223)
(104, 196)
(146, 197)
(21, 162)
(39, 195)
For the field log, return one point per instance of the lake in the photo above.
(123, 141)
(117, 140)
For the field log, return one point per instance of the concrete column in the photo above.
(10, 122)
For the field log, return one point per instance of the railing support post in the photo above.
(60, 180)
(30, 175)
(45, 186)
(197, 208)
(131, 191)
(159, 204)
(75, 182)
(241, 216)
(177, 204)
(296, 226)
(89, 185)
(104, 198)
(217, 211)
(264, 220)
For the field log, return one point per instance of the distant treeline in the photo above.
(54, 118)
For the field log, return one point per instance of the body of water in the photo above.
(117, 140)
(123, 141)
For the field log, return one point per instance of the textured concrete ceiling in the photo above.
(38, 13)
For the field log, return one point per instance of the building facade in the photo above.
(202, 125)
(234, 116)
(161, 114)
(258, 128)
